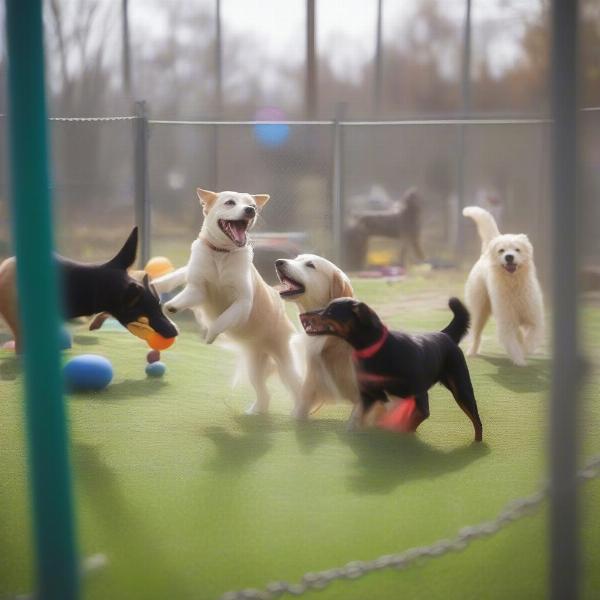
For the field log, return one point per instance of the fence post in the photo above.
(142, 195)
(566, 371)
(462, 134)
(57, 568)
(337, 191)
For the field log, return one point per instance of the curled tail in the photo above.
(486, 224)
(459, 325)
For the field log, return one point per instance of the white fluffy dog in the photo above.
(225, 290)
(503, 282)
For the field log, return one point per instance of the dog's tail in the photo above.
(486, 224)
(459, 325)
(170, 281)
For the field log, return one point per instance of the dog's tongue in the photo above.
(510, 267)
(287, 286)
(238, 231)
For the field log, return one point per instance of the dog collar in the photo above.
(213, 247)
(373, 349)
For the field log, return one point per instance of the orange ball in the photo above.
(158, 266)
(158, 342)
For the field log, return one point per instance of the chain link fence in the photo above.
(316, 181)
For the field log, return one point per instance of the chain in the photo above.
(513, 511)
(91, 119)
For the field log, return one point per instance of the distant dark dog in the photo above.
(88, 289)
(402, 224)
(397, 364)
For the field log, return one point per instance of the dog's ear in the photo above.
(365, 315)
(149, 287)
(126, 255)
(340, 286)
(133, 295)
(261, 200)
(207, 199)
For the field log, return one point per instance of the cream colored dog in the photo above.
(503, 282)
(312, 282)
(225, 291)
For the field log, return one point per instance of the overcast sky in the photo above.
(346, 28)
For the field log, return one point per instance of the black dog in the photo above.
(88, 289)
(398, 364)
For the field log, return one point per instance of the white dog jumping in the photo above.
(503, 282)
(225, 289)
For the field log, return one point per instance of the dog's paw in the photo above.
(256, 409)
(300, 413)
(170, 308)
(210, 336)
(519, 361)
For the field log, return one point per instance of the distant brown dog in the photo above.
(402, 224)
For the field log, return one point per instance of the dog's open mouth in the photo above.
(235, 230)
(289, 287)
(315, 324)
(510, 267)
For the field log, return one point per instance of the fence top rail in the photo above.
(397, 122)
(402, 122)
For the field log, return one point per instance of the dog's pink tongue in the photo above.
(238, 230)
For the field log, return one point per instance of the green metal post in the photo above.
(56, 557)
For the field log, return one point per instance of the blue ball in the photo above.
(156, 369)
(64, 339)
(87, 372)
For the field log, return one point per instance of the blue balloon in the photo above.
(273, 135)
(87, 373)
(156, 369)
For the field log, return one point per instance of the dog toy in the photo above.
(64, 339)
(158, 342)
(153, 356)
(400, 417)
(156, 369)
(158, 266)
(87, 372)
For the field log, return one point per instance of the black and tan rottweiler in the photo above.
(393, 364)
(103, 289)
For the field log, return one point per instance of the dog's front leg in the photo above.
(235, 315)
(190, 296)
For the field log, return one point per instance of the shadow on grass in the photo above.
(85, 340)
(535, 377)
(10, 367)
(235, 452)
(121, 523)
(310, 433)
(118, 392)
(386, 460)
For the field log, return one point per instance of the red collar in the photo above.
(213, 247)
(373, 349)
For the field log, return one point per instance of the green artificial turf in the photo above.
(188, 498)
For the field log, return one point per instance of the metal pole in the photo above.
(49, 468)
(126, 50)
(378, 79)
(462, 132)
(142, 196)
(566, 374)
(337, 192)
(218, 60)
(311, 62)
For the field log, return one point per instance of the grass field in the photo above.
(189, 498)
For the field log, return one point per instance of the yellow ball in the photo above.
(158, 266)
